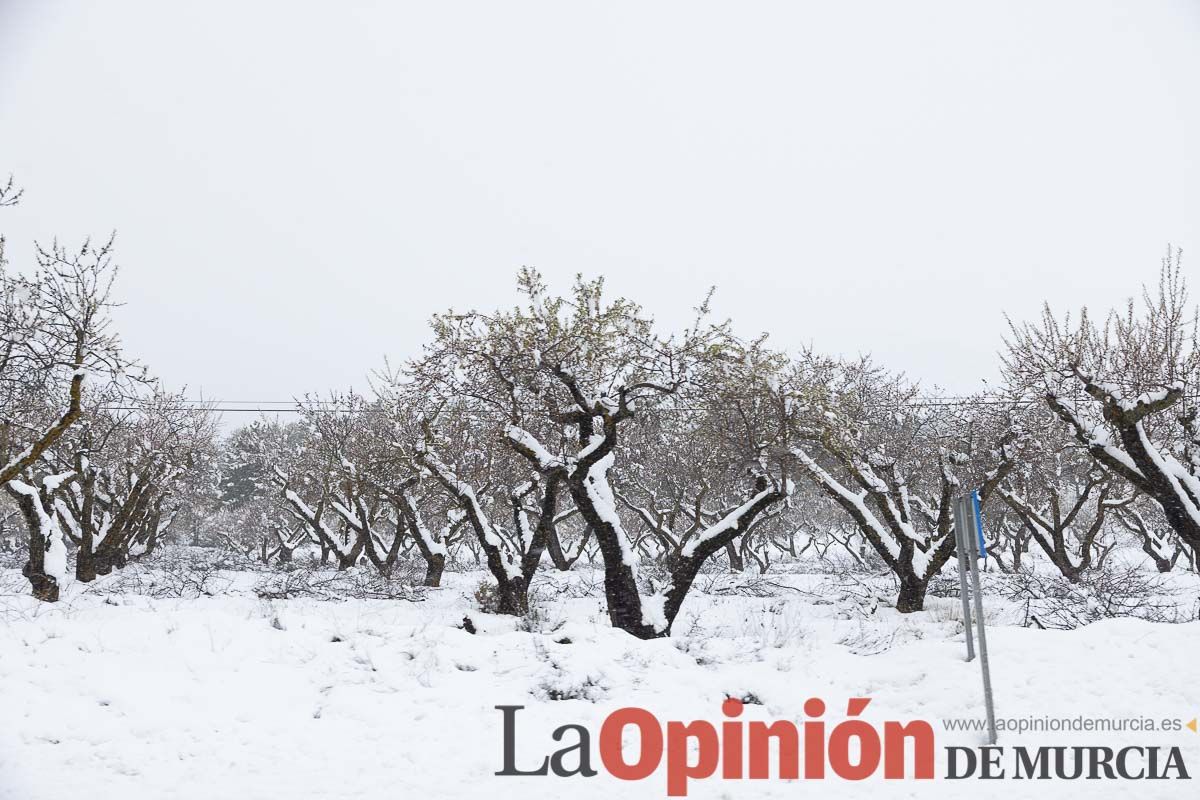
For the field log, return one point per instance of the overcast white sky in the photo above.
(297, 186)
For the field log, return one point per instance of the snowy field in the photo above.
(166, 692)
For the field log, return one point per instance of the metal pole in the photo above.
(972, 546)
(960, 548)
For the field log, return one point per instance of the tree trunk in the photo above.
(620, 586)
(43, 586)
(1162, 488)
(736, 562)
(85, 564)
(434, 566)
(912, 594)
(562, 562)
(35, 509)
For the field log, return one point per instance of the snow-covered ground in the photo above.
(123, 695)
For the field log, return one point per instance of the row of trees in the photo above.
(570, 426)
(92, 451)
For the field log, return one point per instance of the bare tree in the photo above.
(1144, 519)
(1125, 390)
(373, 446)
(127, 467)
(1062, 498)
(319, 485)
(892, 462)
(560, 378)
(711, 465)
(1006, 536)
(55, 330)
(479, 473)
(248, 514)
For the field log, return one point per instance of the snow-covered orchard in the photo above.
(558, 504)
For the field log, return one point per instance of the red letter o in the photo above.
(610, 743)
